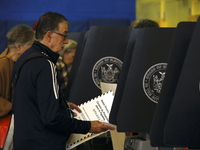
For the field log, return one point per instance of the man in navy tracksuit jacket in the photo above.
(42, 118)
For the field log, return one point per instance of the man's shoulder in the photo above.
(29, 54)
(26, 57)
(30, 61)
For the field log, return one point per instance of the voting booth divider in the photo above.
(122, 77)
(178, 53)
(182, 125)
(144, 79)
(101, 61)
(79, 37)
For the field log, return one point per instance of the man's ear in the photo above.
(48, 35)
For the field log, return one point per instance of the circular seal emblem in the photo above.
(153, 80)
(107, 70)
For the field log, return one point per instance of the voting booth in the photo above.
(123, 76)
(140, 83)
(79, 37)
(178, 53)
(144, 79)
(101, 61)
(157, 84)
(182, 124)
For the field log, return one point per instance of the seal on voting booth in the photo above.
(106, 69)
(153, 80)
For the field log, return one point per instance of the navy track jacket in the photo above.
(42, 118)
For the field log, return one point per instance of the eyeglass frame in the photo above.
(65, 36)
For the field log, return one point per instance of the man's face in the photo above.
(59, 37)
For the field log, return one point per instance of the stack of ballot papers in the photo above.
(96, 109)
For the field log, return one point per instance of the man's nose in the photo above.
(66, 41)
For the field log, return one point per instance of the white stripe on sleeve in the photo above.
(54, 79)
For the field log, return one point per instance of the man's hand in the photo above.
(74, 106)
(97, 127)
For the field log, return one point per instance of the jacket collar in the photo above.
(46, 51)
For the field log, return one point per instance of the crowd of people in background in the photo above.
(19, 38)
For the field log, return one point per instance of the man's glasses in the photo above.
(65, 36)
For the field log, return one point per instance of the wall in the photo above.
(79, 10)
(168, 13)
(80, 13)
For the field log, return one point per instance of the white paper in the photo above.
(96, 109)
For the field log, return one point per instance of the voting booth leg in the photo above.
(118, 139)
(142, 142)
(138, 144)
(170, 148)
(143, 145)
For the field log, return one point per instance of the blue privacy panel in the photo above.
(3, 43)
(72, 9)
(78, 26)
(79, 13)
(6, 26)
(109, 22)
(12, 23)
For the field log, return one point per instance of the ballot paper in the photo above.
(95, 109)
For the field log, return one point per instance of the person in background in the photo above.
(143, 23)
(133, 24)
(65, 61)
(43, 119)
(69, 53)
(19, 38)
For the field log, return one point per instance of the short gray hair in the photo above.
(20, 34)
(49, 22)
